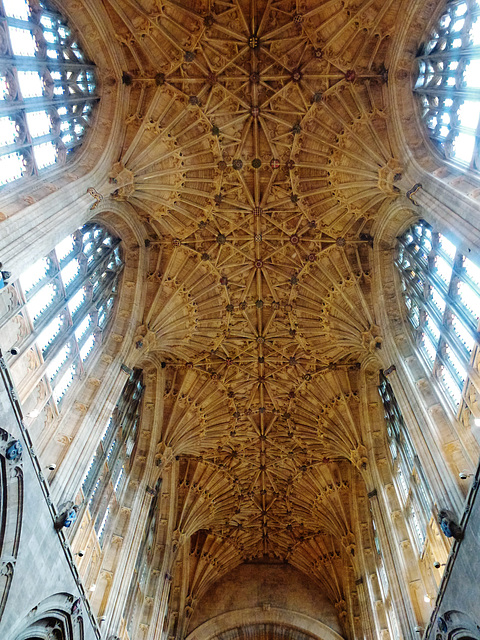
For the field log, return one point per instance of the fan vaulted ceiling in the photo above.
(257, 150)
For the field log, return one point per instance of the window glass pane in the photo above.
(65, 248)
(469, 299)
(447, 247)
(16, 9)
(41, 301)
(87, 348)
(463, 147)
(83, 328)
(451, 386)
(39, 123)
(472, 73)
(45, 154)
(444, 270)
(35, 274)
(49, 334)
(457, 366)
(433, 330)
(468, 114)
(31, 84)
(8, 131)
(438, 300)
(58, 361)
(70, 272)
(23, 43)
(472, 271)
(12, 167)
(429, 348)
(77, 300)
(64, 383)
(464, 335)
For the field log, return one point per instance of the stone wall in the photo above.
(39, 586)
(265, 585)
(457, 609)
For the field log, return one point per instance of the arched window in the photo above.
(412, 488)
(110, 465)
(53, 317)
(448, 82)
(441, 290)
(47, 89)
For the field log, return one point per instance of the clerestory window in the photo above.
(441, 290)
(448, 82)
(111, 463)
(53, 317)
(412, 488)
(47, 89)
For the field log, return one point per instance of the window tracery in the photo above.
(47, 89)
(410, 481)
(441, 290)
(109, 467)
(448, 82)
(54, 315)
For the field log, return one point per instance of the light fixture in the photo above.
(426, 598)
(92, 588)
(477, 422)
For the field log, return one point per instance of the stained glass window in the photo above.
(55, 314)
(443, 287)
(47, 89)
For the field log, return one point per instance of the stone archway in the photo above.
(258, 623)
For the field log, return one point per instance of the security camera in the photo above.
(52, 467)
(13, 352)
(81, 553)
(436, 564)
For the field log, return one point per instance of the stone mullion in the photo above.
(427, 441)
(70, 473)
(125, 565)
(361, 564)
(161, 597)
(400, 594)
(425, 444)
(449, 210)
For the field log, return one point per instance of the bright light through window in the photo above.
(26, 86)
(60, 311)
(8, 131)
(17, 9)
(448, 322)
(12, 167)
(31, 84)
(45, 154)
(23, 43)
(448, 82)
(39, 123)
